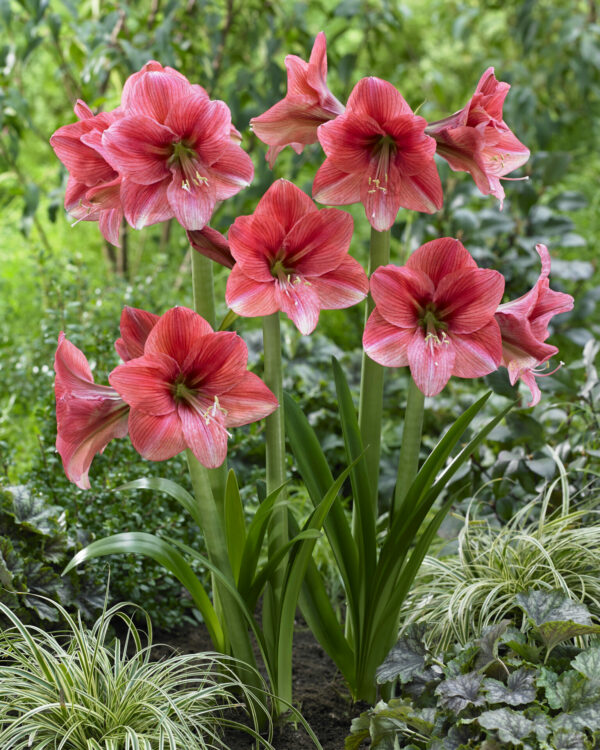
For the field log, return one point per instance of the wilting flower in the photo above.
(189, 386)
(212, 244)
(88, 415)
(524, 329)
(378, 154)
(436, 315)
(477, 140)
(292, 257)
(175, 149)
(93, 188)
(293, 121)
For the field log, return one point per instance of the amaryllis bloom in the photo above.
(175, 149)
(436, 315)
(293, 121)
(93, 188)
(524, 328)
(292, 257)
(477, 140)
(212, 244)
(189, 386)
(378, 154)
(88, 415)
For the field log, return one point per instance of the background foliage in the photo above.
(54, 277)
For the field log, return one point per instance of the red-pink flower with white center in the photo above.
(293, 121)
(292, 257)
(378, 154)
(524, 329)
(88, 415)
(477, 140)
(93, 188)
(175, 150)
(190, 385)
(436, 315)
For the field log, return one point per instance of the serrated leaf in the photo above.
(488, 643)
(459, 692)
(406, 660)
(587, 717)
(553, 633)
(512, 726)
(587, 663)
(519, 689)
(565, 740)
(552, 606)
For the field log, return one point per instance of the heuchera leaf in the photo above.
(512, 726)
(407, 659)
(460, 692)
(553, 633)
(564, 740)
(488, 643)
(552, 606)
(519, 689)
(587, 663)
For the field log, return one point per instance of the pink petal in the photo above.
(176, 334)
(82, 110)
(202, 124)
(422, 191)
(529, 379)
(248, 297)
(520, 346)
(147, 383)
(477, 353)
(254, 243)
(385, 343)
(216, 364)
(231, 172)
(401, 294)
(345, 286)
(285, 203)
(300, 302)
(212, 244)
(373, 97)
(154, 92)
(467, 299)
(156, 438)
(319, 242)
(381, 205)
(135, 328)
(73, 374)
(144, 205)
(109, 223)
(191, 196)
(205, 435)
(440, 257)
(248, 401)
(139, 148)
(349, 141)
(83, 163)
(334, 187)
(431, 362)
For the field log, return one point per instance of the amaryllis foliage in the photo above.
(436, 315)
(477, 140)
(292, 257)
(308, 103)
(88, 415)
(94, 187)
(189, 386)
(378, 154)
(524, 328)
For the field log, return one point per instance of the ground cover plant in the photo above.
(202, 237)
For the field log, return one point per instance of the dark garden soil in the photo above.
(319, 692)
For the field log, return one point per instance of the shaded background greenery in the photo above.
(54, 277)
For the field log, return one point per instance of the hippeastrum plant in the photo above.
(183, 382)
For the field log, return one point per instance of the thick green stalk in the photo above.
(408, 463)
(371, 380)
(204, 304)
(233, 620)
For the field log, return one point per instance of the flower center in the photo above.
(186, 158)
(434, 327)
(384, 148)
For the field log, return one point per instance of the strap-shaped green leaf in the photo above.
(158, 549)
(235, 524)
(174, 490)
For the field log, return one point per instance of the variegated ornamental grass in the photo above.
(83, 690)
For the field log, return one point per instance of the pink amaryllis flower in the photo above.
(88, 415)
(294, 120)
(292, 257)
(189, 386)
(175, 149)
(524, 328)
(477, 140)
(378, 154)
(436, 315)
(94, 187)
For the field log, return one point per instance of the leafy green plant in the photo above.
(512, 688)
(78, 690)
(474, 586)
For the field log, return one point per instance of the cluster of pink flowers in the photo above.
(167, 151)
(170, 151)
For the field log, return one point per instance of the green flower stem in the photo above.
(275, 435)
(408, 463)
(371, 380)
(204, 304)
(233, 620)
